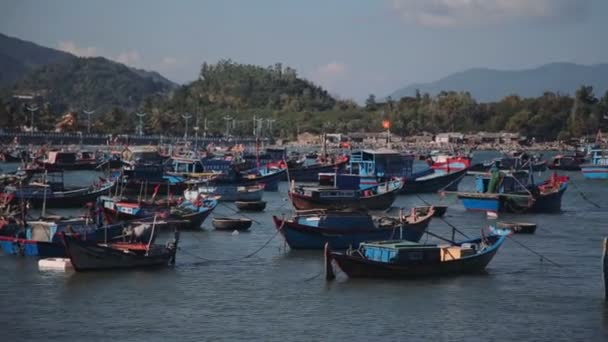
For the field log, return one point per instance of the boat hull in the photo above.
(378, 202)
(439, 182)
(86, 256)
(595, 171)
(300, 236)
(358, 267)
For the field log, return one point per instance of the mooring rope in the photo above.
(239, 258)
(444, 220)
(542, 257)
(583, 196)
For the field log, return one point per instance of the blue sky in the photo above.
(351, 47)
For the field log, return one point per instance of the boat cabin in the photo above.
(516, 181)
(406, 252)
(61, 158)
(599, 157)
(185, 165)
(381, 163)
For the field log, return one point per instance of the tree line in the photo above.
(227, 95)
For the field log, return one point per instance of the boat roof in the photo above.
(397, 244)
(381, 151)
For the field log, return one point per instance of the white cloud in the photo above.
(131, 57)
(169, 61)
(331, 70)
(454, 13)
(70, 46)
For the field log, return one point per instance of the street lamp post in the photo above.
(141, 123)
(89, 113)
(186, 117)
(32, 109)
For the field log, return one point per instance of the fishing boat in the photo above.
(49, 188)
(187, 215)
(42, 238)
(309, 171)
(570, 162)
(342, 230)
(598, 166)
(406, 259)
(91, 256)
(250, 205)
(433, 181)
(379, 165)
(345, 194)
(69, 160)
(515, 192)
(449, 163)
(512, 162)
(226, 192)
(227, 223)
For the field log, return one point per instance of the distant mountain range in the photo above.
(488, 85)
(63, 78)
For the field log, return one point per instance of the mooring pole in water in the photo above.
(605, 268)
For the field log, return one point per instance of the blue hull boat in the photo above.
(598, 166)
(543, 198)
(35, 241)
(595, 171)
(345, 230)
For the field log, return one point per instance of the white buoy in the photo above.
(59, 264)
(235, 232)
(492, 215)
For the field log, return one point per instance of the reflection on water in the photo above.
(270, 296)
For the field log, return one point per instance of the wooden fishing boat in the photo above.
(49, 188)
(515, 192)
(227, 192)
(405, 259)
(42, 238)
(231, 224)
(449, 163)
(598, 166)
(433, 182)
(186, 215)
(250, 205)
(89, 256)
(345, 196)
(566, 162)
(348, 229)
(67, 160)
(310, 172)
(512, 163)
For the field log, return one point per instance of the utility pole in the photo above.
(270, 121)
(88, 113)
(186, 117)
(32, 109)
(205, 127)
(227, 118)
(196, 134)
(141, 123)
